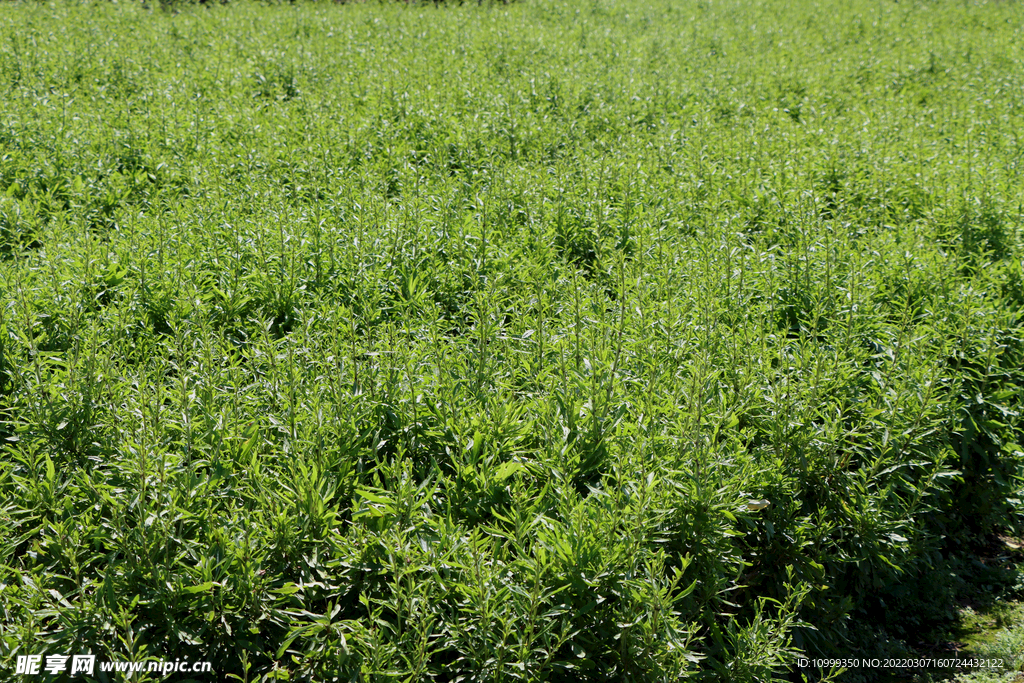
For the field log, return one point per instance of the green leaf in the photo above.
(506, 470)
(373, 497)
(200, 588)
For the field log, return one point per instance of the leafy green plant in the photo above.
(542, 341)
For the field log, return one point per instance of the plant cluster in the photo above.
(379, 342)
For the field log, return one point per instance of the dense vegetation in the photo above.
(389, 342)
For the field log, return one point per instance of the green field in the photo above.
(568, 340)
